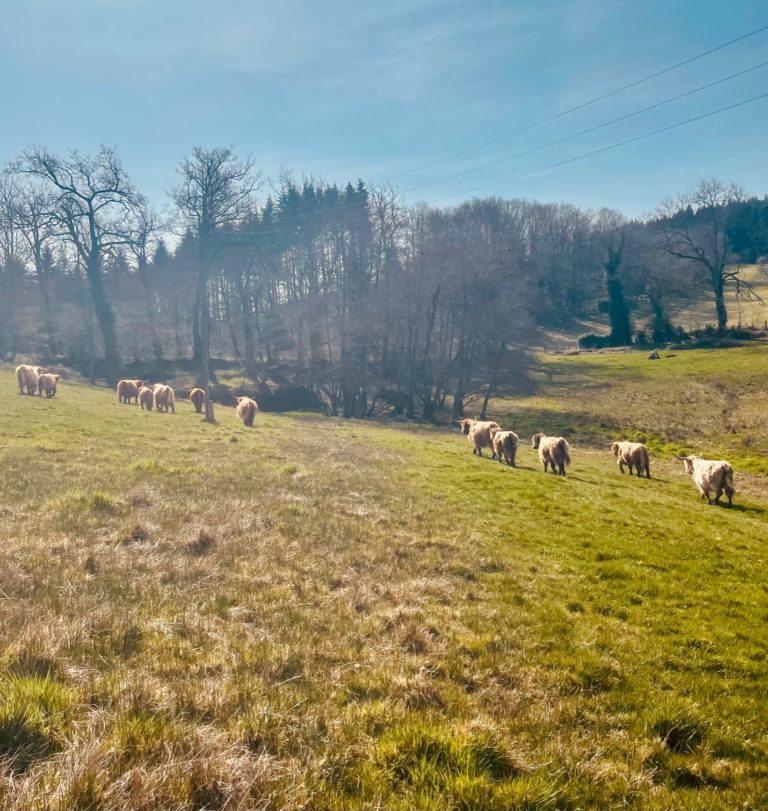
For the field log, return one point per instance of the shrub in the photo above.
(592, 341)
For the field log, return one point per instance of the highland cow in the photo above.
(553, 450)
(47, 383)
(128, 390)
(709, 475)
(26, 377)
(197, 396)
(246, 409)
(164, 398)
(505, 446)
(146, 398)
(480, 434)
(633, 455)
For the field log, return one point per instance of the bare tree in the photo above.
(13, 257)
(31, 210)
(93, 206)
(692, 228)
(147, 232)
(214, 195)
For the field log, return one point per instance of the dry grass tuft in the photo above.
(203, 543)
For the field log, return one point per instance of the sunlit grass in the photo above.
(341, 615)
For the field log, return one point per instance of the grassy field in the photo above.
(325, 614)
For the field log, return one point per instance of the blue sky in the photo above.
(354, 89)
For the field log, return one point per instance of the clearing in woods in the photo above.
(318, 613)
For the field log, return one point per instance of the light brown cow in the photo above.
(246, 409)
(26, 377)
(47, 383)
(480, 434)
(553, 450)
(128, 390)
(146, 398)
(164, 398)
(633, 455)
(197, 396)
(505, 446)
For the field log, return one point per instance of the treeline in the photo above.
(345, 293)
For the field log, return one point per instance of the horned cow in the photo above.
(633, 455)
(553, 450)
(710, 476)
(480, 434)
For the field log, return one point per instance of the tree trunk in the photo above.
(719, 289)
(202, 317)
(458, 404)
(48, 314)
(490, 390)
(205, 368)
(157, 346)
(197, 338)
(106, 318)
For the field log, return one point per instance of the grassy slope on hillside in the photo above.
(702, 401)
(326, 614)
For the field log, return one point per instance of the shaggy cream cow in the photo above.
(26, 377)
(246, 409)
(164, 398)
(480, 434)
(128, 390)
(710, 476)
(553, 450)
(505, 446)
(197, 397)
(633, 455)
(146, 398)
(47, 383)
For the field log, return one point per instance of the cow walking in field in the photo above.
(246, 409)
(710, 476)
(633, 455)
(27, 376)
(197, 397)
(164, 397)
(146, 398)
(553, 450)
(505, 446)
(480, 434)
(128, 390)
(47, 383)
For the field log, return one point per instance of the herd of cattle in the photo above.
(161, 397)
(710, 476)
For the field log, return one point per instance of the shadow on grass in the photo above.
(743, 508)
(528, 421)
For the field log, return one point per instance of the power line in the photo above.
(350, 206)
(583, 105)
(588, 130)
(606, 148)
(343, 208)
